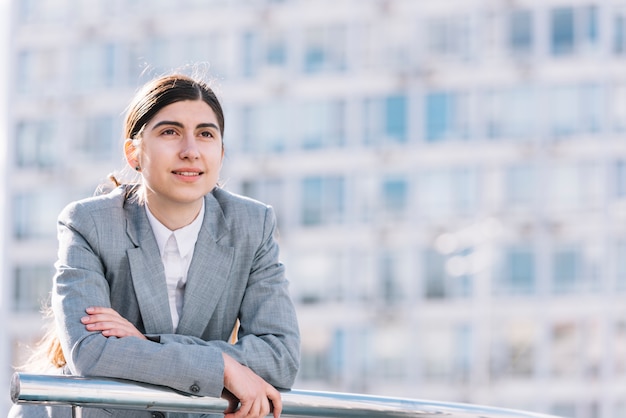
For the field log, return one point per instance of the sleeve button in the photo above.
(194, 388)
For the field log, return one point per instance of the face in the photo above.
(179, 154)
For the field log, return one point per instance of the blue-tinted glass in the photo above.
(619, 34)
(395, 195)
(563, 33)
(620, 179)
(620, 268)
(35, 145)
(276, 52)
(520, 273)
(322, 124)
(521, 31)
(438, 116)
(434, 274)
(520, 185)
(566, 110)
(250, 44)
(566, 270)
(99, 139)
(591, 24)
(396, 118)
(390, 289)
(464, 353)
(110, 64)
(312, 201)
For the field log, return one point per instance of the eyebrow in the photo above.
(180, 125)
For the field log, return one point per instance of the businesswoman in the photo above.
(153, 277)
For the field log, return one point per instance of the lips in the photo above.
(187, 173)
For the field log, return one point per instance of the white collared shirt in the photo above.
(186, 238)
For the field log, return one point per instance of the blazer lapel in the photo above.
(208, 272)
(147, 272)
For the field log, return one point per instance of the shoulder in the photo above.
(110, 203)
(233, 204)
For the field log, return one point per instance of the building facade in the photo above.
(449, 177)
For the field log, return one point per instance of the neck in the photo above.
(174, 215)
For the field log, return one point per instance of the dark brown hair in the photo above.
(164, 91)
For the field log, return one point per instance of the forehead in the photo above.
(186, 112)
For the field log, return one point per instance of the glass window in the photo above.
(395, 196)
(324, 49)
(447, 116)
(37, 71)
(95, 66)
(315, 362)
(32, 285)
(620, 265)
(567, 270)
(513, 349)
(510, 113)
(619, 31)
(565, 354)
(618, 354)
(314, 276)
(396, 118)
(617, 110)
(448, 192)
(265, 127)
(392, 352)
(385, 120)
(35, 214)
(36, 144)
(565, 190)
(439, 283)
(99, 141)
(393, 274)
(574, 30)
(322, 200)
(445, 352)
(565, 108)
(275, 49)
(203, 49)
(322, 124)
(520, 186)
(449, 37)
(518, 276)
(250, 58)
(520, 31)
(562, 31)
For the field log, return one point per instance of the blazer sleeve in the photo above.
(80, 282)
(268, 338)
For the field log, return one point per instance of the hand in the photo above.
(257, 397)
(109, 323)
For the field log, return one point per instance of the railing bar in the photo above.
(119, 394)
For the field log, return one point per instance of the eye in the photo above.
(169, 131)
(207, 134)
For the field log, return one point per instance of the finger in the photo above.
(100, 309)
(242, 412)
(276, 406)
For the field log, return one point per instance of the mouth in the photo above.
(188, 173)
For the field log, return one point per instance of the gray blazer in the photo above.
(108, 256)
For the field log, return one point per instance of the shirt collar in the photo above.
(186, 236)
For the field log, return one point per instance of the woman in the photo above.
(152, 278)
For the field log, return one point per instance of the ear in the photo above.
(130, 152)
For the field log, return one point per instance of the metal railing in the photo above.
(79, 392)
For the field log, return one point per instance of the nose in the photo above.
(189, 148)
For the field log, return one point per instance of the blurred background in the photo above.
(449, 177)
